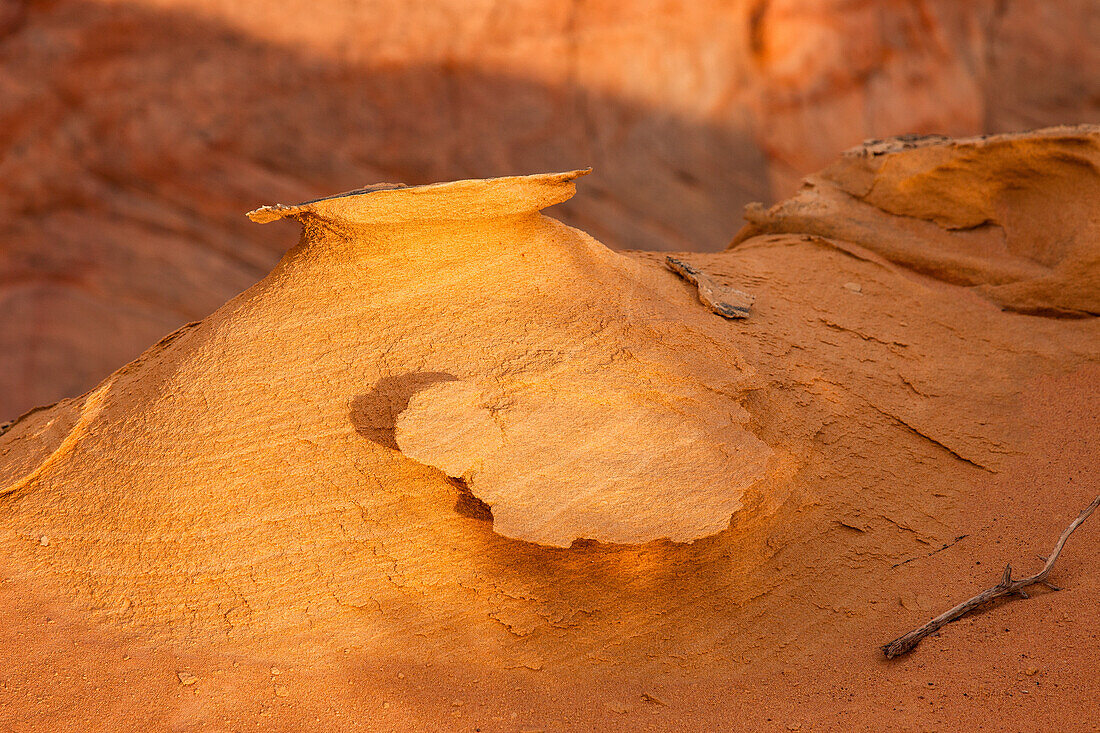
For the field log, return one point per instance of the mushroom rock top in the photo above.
(390, 203)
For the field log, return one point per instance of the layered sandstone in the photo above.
(132, 134)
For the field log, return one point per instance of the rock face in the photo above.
(133, 134)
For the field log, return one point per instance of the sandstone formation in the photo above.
(462, 466)
(132, 134)
(1011, 216)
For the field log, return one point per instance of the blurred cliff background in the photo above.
(134, 135)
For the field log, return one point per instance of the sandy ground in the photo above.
(1021, 665)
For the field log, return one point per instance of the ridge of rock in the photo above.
(1013, 216)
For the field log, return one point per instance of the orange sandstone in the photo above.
(449, 438)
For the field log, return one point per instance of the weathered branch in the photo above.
(1007, 587)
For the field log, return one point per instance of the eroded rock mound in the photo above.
(411, 431)
(414, 334)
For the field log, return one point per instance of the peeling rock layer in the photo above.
(1011, 216)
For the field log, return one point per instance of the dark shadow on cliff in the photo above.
(139, 139)
(210, 119)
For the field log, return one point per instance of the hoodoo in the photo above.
(441, 332)
(604, 414)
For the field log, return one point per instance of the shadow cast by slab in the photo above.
(374, 414)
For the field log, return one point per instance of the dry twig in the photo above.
(1007, 587)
